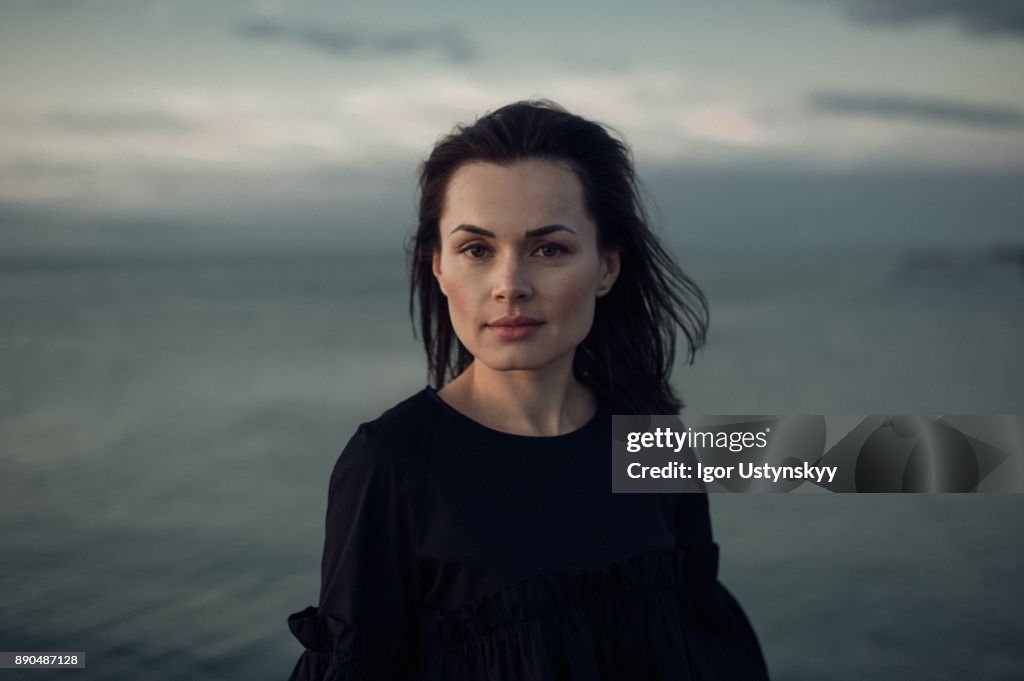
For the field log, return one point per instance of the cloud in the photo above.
(724, 124)
(981, 17)
(916, 109)
(265, 152)
(55, 5)
(117, 122)
(449, 41)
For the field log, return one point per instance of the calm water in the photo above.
(167, 428)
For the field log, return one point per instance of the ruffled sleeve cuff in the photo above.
(338, 651)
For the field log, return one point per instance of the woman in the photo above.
(471, 530)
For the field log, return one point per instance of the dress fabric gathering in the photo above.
(457, 552)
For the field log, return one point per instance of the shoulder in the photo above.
(414, 413)
(393, 445)
(402, 428)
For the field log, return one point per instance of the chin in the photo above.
(510, 363)
(520, 359)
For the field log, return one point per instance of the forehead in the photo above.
(519, 196)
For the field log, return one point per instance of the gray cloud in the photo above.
(55, 5)
(449, 41)
(982, 17)
(106, 122)
(918, 109)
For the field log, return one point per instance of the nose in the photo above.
(511, 280)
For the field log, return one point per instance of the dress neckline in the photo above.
(595, 419)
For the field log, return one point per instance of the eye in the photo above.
(551, 250)
(475, 251)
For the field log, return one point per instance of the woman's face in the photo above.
(519, 263)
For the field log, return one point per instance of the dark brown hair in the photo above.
(628, 355)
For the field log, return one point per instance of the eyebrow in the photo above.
(530, 233)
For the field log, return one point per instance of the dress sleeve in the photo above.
(367, 607)
(720, 638)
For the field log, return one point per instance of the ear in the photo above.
(609, 269)
(435, 265)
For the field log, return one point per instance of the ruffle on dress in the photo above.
(553, 593)
(339, 651)
(660, 614)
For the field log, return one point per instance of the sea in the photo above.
(168, 423)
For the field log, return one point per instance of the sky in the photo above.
(302, 122)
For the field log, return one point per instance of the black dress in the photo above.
(458, 552)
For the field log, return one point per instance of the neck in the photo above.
(548, 401)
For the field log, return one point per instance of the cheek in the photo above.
(575, 297)
(463, 302)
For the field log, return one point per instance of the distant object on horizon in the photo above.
(1011, 255)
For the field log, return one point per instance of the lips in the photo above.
(514, 328)
(520, 320)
